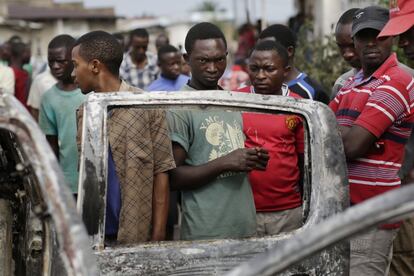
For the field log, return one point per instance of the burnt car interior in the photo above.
(39, 228)
(26, 226)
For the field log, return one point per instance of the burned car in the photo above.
(40, 232)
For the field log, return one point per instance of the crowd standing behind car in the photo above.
(229, 176)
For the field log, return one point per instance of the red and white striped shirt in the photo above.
(383, 104)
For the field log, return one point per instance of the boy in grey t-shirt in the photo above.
(209, 151)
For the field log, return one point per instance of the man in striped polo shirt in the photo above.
(401, 23)
(374, 113)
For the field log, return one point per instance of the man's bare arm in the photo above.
(54, 144)
(357, 141)
(160, 200)
(35, 113)
(186, 177)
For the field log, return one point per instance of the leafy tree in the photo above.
(319, 57)
(208, 6)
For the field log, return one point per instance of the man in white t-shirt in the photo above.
(6, 79)
(41, 83)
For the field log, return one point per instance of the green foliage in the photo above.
(319, 58)
(207, 6)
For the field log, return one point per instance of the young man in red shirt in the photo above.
(276, 190)
(19, 56)
(374, 113)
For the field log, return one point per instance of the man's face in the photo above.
(406, 42)
(372, 51)
(267, 72)
(170, 64)
(346, 45)
(60, 63)
(139, 46)
(82, 72)
(208, 62)
(6, 51)
(26, 55)
(161, 41)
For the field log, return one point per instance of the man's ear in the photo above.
(291, 51)
(186, 57)
(95, 66)
(287, 70)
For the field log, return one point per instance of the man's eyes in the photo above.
(265, 69)
(203, 60)
(58, 61)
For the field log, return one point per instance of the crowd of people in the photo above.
(234, 174)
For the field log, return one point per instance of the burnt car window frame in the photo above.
(330, 199)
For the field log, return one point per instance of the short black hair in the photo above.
(270, 45)
(166, 49)
(346, 17)
(102, 46)
(281, 34)
(202, 31)
(17, 48)
(15, 39)
(61, 41)
(118, 36)
(139, 32)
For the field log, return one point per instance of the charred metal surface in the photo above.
(391, 205)
(5, 238)
(91, 205)
(213, 258)
(327, 193)
(31, 171)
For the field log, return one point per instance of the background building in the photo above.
(38, 21)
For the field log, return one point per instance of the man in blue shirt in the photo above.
(298, 82)
(170, 79)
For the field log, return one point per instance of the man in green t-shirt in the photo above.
(209, 152)
(57, 117)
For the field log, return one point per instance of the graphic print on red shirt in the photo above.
(275, 189)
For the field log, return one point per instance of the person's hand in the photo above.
(246, 159)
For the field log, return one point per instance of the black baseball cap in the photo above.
(372, 17)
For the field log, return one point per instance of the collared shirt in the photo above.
(382, 104)
(139, 77)
(341, 80)
(164, 84)
(141, 148)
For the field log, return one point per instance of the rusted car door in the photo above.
(326, 188)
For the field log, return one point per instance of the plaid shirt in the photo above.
(141, 148)
(139, 77)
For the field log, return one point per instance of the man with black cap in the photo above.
(373, 110)
(401, 24)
